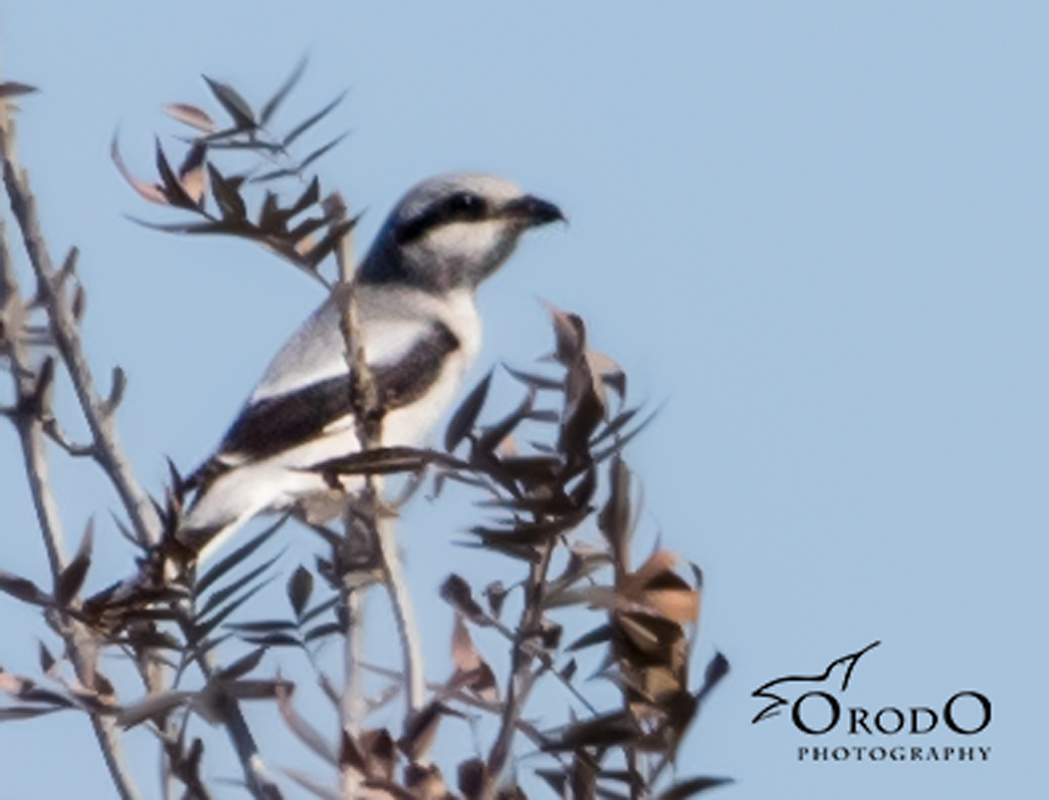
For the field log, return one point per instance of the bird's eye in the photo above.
(465, 206)
(459, 207)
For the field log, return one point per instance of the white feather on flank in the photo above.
(278, 482)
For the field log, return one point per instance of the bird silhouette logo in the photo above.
(835, 677)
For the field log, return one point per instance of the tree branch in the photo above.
(78, 642)
(522, 678)
(64, 331)
(367, 407)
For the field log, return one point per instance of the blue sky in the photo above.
(816, 230)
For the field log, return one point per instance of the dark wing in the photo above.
(274, 424)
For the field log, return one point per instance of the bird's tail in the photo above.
(226, 500)
(216, 514)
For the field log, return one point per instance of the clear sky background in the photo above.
(817, 230)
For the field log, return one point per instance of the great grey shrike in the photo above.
(420, 331)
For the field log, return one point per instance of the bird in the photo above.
(419, 328)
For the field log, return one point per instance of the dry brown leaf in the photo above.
(656, 585)
(426, 782)
(190, 115)
(381, 752)
(193, 174)
(11, 684)
(640, 635)
(147, 191)
(660, 682)
(464, 654)
(421, 731)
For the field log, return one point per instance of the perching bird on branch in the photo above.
(420, 331)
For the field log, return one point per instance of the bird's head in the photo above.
(453, 231)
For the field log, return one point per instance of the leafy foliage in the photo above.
(305, 228)
(558, 511)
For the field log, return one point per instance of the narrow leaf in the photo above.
(202, 630)
(237, 556)
(182, 227)
(25, 712)
(190, 115)
(420, 731)
(289, 83)
(716, 670)
(259, 689)
(300, 129)
(690, 786)
(147, 191)
(227, 197)
(242, 666)
(223, 594)
(262, 626)
(306, 199)
(605, 730)
(535, 381)
(624, 440)
(613, 427)
(598, 635)
(465, 416)
(322, 630)
(172, 186)
(192, 174)
(14, 89)
(283, 172)
(72, 577)
(568, 671)
(278, 639)
(23, 588)
(331, 240)
(46, 659)
(271, 217)
(320, 151)
(457, 592)
(319, 609)
(570, 335)
(300, 586)
(231, 100)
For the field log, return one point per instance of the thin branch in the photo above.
(352, 705)
(366, 404)
(79, 645)
(61, 438)
(404, 614)
(351, 598)
(64, 329)
(30, 430)
(522, 677)
(257, 778)
(260, 783)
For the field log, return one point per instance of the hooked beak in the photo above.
(533, 211)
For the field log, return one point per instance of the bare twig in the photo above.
(522, 677)
(352, 598)
(260, 783)
(404, 613)
(66, 335)
(256, 776)
(366, 403)
(107, 452)
(79, 644)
